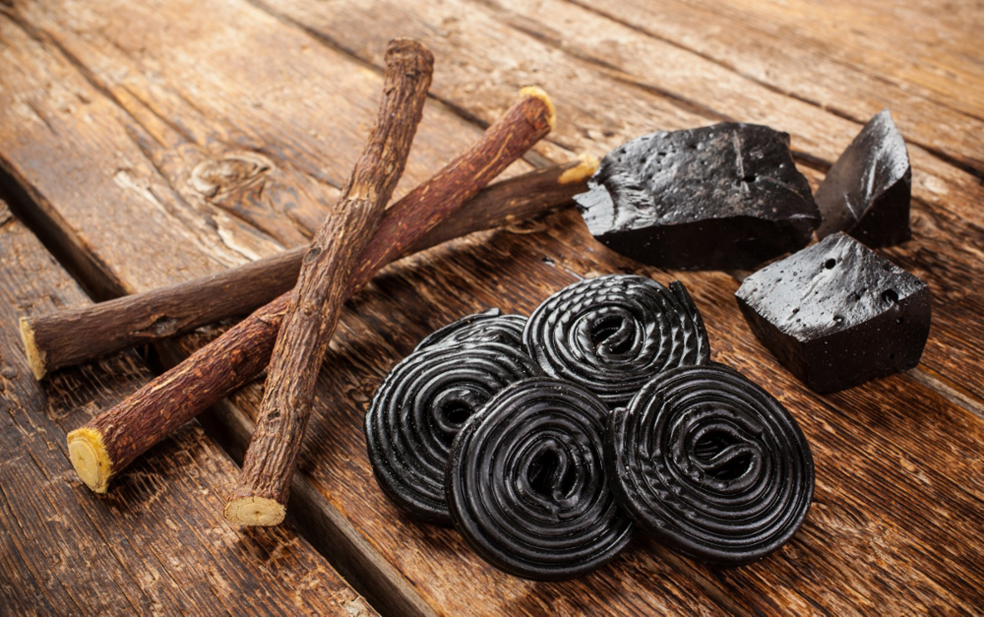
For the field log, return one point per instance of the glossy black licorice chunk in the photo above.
(836, 314)
(612, 333)
(420, 407)
(710, 464)
(726, 197)
(526, 487)
(490, 326)
(868, 190)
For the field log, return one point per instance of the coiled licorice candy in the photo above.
(490, 326)
(711, 464)
(526, 485)
(419, 408)
(612, 334)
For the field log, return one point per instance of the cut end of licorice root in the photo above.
(35, 357)
(88, 454)
(255, 511)
(539, 93)
(587, 165)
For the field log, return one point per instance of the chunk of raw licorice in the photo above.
(868, 190)
(420, 407)
(710, 464)
(836, 314)
(526, 487)
(611, 334)
(720, 197)
(490, 326)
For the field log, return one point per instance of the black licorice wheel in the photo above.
(711, 464)
(526, 485)
(417, 411)
(613, 333)
(490, 326)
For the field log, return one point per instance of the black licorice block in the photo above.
(837, 315)
(868, 190)
(720, 197)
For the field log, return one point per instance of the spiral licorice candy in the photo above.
(711, 464)
(613, 333)
(490, 326)
(419, 408)
(526, 485)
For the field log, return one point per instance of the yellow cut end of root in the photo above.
(255, 512)
(34, 357)
(585, 168)
(90, 459)
(539, 93)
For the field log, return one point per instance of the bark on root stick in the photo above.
(77, 334)
(111, 441)
(261, 494)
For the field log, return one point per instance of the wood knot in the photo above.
(311, 254)
(231, 173)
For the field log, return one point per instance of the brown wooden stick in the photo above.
(77, 334)
(112, 440)
(261, 494)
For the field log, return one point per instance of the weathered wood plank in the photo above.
(221, 155)
(153, 546)
(890, 521)
(608, 80)
(850, 58)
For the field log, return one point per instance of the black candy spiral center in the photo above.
(711, 464)
(421, 406)
(526, 486)
(612, 334)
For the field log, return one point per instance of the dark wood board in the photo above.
(899, 498)
(158, 543)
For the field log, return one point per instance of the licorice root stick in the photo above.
(114, 439)
(260, 497)
(77, 334)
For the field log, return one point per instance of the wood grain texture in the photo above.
(76, 334)
(641, 82)
(154, 546)
(113, 439)
(218, 170)
(899, 496)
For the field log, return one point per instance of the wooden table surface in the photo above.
(146, 143)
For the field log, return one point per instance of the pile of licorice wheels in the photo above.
(548, 441)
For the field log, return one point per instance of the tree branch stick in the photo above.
(112, 440)
(70, 336)
(260, 497)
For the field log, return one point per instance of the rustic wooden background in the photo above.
(145, 143)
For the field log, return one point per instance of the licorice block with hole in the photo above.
(837, 315)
